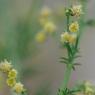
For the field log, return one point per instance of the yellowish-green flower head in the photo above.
(74, 27)
(11, 82)
(5, 66)
(46, 12)
(40, 37)
(88, 88)
(77, 10)
(12, 73)
(18, 88)
(72, 38)
(50, 27)
(89, 91)
(67, 37)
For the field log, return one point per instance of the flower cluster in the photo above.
(7, 68)
(40, 37)
(47, 25)
(74, 27)
(89, 89)
(86, 88)
(70, 39)
(76, 10)
(71, 34)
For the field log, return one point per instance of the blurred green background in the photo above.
(38, 64)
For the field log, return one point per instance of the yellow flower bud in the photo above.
(5, 66)
(65, 37)
(45, 12)
(77, 10)
(12, 73)
(11, 82)
(40, 37)
(49, 27)
(74, 27)
(18, 88)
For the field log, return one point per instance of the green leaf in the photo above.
(73, 67)
(77, 41)
(65, 58)
(77, 64)
(77, 56)
(62, 61)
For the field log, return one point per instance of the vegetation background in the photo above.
(38, 65)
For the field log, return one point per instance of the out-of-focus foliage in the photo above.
(45, 89)
(90, 22)
(17, 36)
(17, 40)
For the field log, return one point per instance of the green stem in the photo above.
(67, 76)
(68, 18)
(69, 65)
